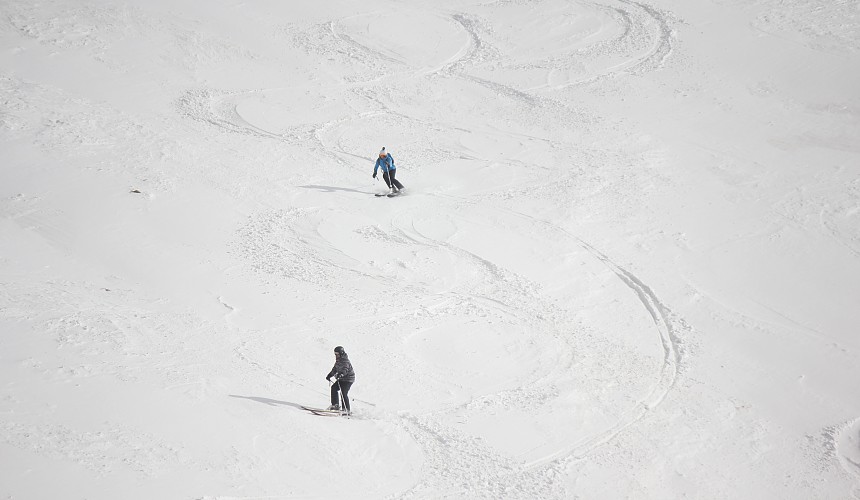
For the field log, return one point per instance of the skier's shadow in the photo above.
(268, 401)
(332, 189)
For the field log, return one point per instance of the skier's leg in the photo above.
(344, 390)
(394, 182)
(335, 400)
(386, 179)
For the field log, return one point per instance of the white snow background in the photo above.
(626, 263)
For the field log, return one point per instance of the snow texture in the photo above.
(625, 264)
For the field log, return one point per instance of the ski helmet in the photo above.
(339, 350)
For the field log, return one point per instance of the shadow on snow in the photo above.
(268, 401)
(332, 189)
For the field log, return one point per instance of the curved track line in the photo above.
(481, 468)
(655, 58)
(360, 46)
(219, 111)
(847, 447)
(663, 40)
(669, 341)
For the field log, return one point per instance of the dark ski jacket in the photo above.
(342, 369)
(386, 164)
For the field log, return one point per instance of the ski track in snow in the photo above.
(456, 463)
(646, 42)
(668, 328)
(132, 339)
(297, 245)
(846, 445)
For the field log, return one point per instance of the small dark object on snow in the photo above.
(136, 191)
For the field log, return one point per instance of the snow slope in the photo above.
(626, 263)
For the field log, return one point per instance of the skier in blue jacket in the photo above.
(386, 163)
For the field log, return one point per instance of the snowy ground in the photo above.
(626, 263)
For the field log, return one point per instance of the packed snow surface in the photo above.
(626, 262)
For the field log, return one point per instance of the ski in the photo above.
(330, 414)
(311, 408)
(325, 413)
(390, 195)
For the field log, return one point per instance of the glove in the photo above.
(374, 175)
(327, 379)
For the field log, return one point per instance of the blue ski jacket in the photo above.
(386, 164)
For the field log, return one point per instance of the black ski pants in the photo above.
(389, 179)
(343, 387)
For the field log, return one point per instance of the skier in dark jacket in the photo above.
(344, 376)
(386, 163)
